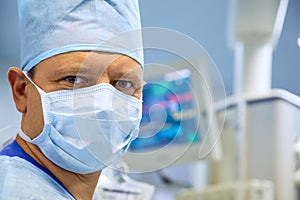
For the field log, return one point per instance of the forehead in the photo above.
(88, 62)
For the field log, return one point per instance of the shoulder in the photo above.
(19, 179)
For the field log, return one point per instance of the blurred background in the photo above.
(210, 24)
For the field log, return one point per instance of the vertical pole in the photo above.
(253, 67)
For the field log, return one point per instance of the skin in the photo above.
(64, 72)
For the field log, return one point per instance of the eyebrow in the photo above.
(128, 75)
(68, 68)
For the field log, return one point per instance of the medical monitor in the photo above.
(177, 107)
(168, 111)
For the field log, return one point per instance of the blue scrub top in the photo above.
(14, 149)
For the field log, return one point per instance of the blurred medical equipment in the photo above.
(262, 125)
(260, 144)
(254, 28)
(251, 190)
(178, 124)
(115, 184)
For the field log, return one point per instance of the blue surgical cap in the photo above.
(48, 28)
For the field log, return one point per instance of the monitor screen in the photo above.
(169, 114)
(178, 124)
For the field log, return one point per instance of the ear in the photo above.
(18, 84)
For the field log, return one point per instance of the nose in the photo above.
(103, 77)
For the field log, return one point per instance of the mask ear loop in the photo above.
(31, 81)
(44, 99)
(24, 136)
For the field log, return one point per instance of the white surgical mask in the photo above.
(87, 129)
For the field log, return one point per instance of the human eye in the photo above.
(75, 80)
(124, 86)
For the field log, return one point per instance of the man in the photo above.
(79, 92)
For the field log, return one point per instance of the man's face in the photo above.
(78, 70)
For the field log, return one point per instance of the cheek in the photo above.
(34, 115)
(137, 93)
